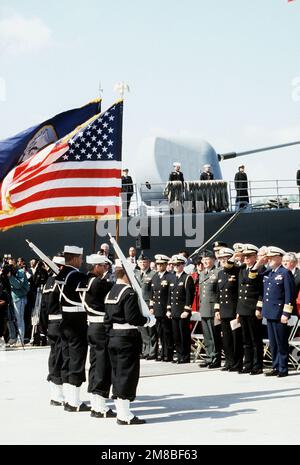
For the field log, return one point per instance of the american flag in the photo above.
(78, 177)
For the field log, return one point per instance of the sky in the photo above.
(227, 71)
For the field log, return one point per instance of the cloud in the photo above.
(19, 35)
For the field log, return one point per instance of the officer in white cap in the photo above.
(160, 285)
(93, 291)
(122, 319)
(249, 301)
(277, 307)
(50, 320)
(207, 174)
(73, 329)
(181, 297)
(225, 310)
(176, 174)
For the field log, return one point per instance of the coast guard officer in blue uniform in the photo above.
(279, 293)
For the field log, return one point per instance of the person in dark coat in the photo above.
(180, 300)
(248, 310)
(207, 174)
(122, 319)
(93, 290)
(127, 191)
(241, 186)
(160, 285)
(225, 311)
(176, 174)
(277, 307)
(50, 320)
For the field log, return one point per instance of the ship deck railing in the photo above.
(151, 199)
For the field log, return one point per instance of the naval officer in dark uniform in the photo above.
(73, 329)
(160, 285)
(208, 283)
(50, 320)
(278, 296)
(176, 174)
(93, 291)
(225, 310)
(180, 300)
(248, 306)
(122, 319)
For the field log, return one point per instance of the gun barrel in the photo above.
(227, 156)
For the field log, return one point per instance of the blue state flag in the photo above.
(20, 147)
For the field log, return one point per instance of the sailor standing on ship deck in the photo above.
(73, 329)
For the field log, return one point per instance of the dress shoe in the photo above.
(108, 414)
(56, 403)
(82, 408)
(257, 371)
(133, 421)
(204, 364)
(272, 373)
(225, 368)
(214, 365)
(282, 374)
(244, 370)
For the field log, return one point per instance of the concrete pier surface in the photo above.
(182, 404)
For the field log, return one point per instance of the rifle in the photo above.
(133, 281)
(43, 257)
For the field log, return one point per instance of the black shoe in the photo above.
(282, 374)
(257, 371)
(204, 364)
(56, 403)
(225, 368)
(108, 414)
(133, 421)
(82, 408)
(272, 373)
(245, 370)
(234, 369)
(214, 365)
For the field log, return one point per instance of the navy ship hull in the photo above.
(277, 227)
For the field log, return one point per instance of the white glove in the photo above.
(151, 321)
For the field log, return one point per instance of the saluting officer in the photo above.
(160, 284)
(279, 294)
(93, 291)
(50, 320)
(73, 329)
(208, 284)
(149, 335)
(249, 301)
(225, 310)
(122, 318)
(181, 296)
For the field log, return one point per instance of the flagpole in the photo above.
(121, 88)
(100, 91)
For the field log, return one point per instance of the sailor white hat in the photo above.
(159, 258)
(249, 249)
(238, 246)
(225, 252)
(95, 259)
(178, 259)
(73, 249)
(274, 251)
(207, 165)
(176, 163)
(59, 260)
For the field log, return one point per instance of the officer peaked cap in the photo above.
(159, 258)
(274, 251)
(178, 259)
(249, 249)
(238, 247)
(225, 252)
(219, 245)
(143, 257)
(207, 253)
